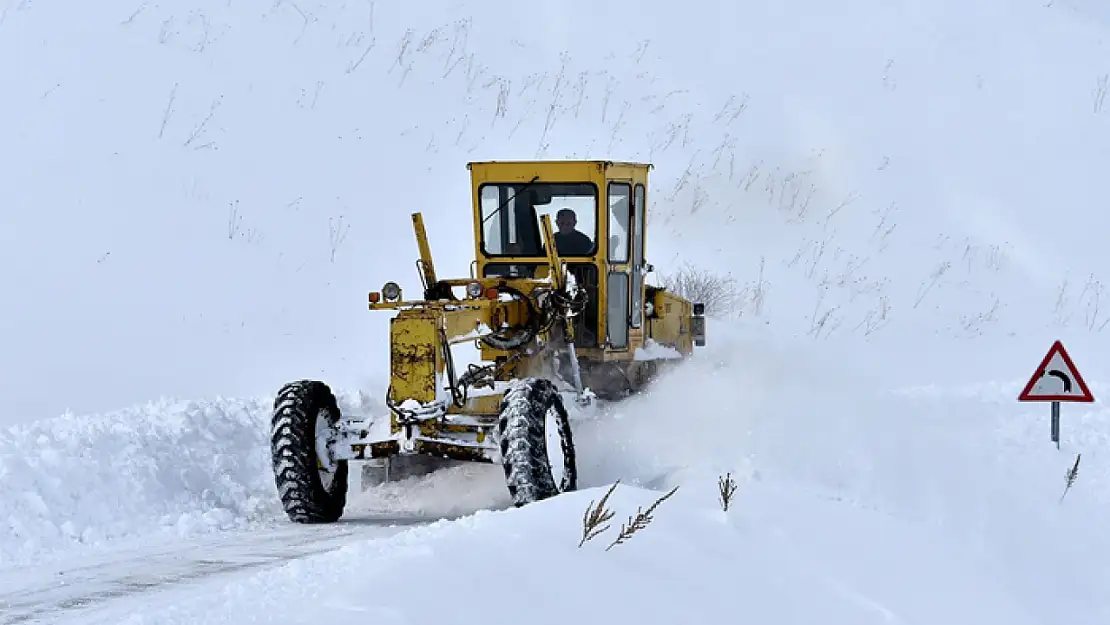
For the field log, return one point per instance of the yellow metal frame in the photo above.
(424, 329)
(420, 338)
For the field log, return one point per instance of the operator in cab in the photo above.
(568, 240)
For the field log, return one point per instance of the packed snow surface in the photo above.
(196, 197)
(852, 505)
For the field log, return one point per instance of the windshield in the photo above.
(515, 229)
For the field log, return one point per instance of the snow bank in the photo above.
(179, 467)
(856, 504)
(182, 469)
(970, 462)
(176, 467)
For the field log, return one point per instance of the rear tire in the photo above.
(537, 449)
(310, 490)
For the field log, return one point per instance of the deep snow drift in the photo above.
(854, 504)
(910, 505)
(179, 470)
(177, 467)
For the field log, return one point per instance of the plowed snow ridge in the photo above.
(180, 469)
(176, 467)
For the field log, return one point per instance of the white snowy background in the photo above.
(196, 196)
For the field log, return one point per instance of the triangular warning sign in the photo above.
(1056, 379)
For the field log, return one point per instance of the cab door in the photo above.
(639, 217)
(619, 278)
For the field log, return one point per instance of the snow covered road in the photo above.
(118, 579)
(140, 576)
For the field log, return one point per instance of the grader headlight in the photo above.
(391, 291)
(474, 290)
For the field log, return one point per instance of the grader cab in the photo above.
(556, 303)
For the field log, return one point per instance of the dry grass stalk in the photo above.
(727, 486)
(1070, 478)
(593, 518)
(639, 522)
(719, 292)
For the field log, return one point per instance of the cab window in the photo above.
(620, 195)
(511, 216)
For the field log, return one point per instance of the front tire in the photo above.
(537, 449)
(312, 488)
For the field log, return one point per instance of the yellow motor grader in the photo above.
(553, 311)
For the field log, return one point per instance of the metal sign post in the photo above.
(1056, 423)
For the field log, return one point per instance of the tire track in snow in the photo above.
(62, 592)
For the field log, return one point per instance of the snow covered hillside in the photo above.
(196, 196)
(225, 181)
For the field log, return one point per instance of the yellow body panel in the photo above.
(414, 355)
(670, 323)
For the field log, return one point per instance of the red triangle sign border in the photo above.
(1057, 348)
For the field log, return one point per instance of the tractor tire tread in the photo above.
(521, 434)
(293, 453)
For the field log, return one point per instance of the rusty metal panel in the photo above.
(414, 350)
(672, 327)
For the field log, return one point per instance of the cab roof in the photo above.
(603, 162)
